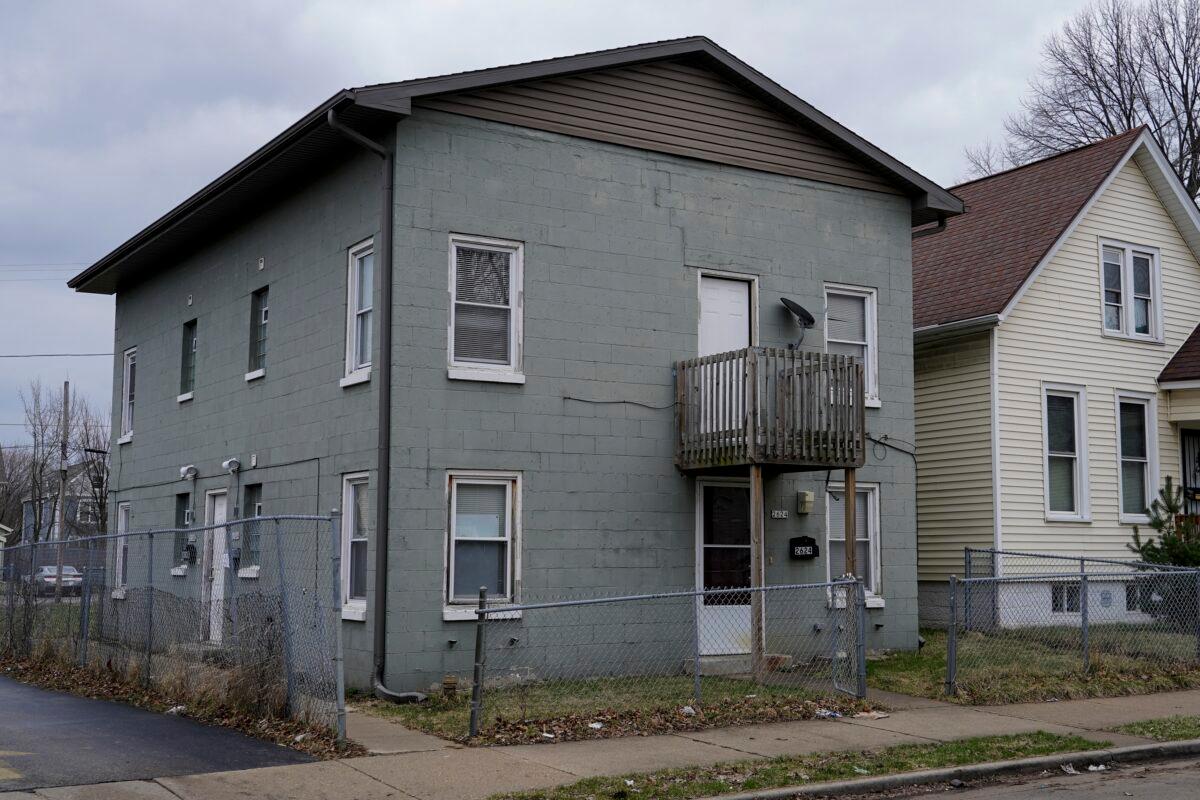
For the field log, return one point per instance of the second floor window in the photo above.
(187, 362)
(360, 284)
(259, 313)
(1131, 291)
(128, 387)
(850, 330)
(485, 289)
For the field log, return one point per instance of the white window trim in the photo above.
(871, 367)
(1150, 401)
(255, 375)
(511, 480)
(1083, 494)
(186, 396)
(124, 517)
(1156, 319)
(874, 531)
(356, 373)
(498, 373)
(129, 358)
(352, 609)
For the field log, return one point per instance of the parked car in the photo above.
(45, 580)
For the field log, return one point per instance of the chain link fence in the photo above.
(245, 614)
(1066, 618)
(622, 660)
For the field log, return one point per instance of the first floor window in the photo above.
(866, 537)
(1135, 445)
(482, 532)
(252, 507)
(122, 566)
(1065, 453)
(183, 521)
(355, 529)
(850, 330)
(360, 303)
(485, 287)
(128, 385)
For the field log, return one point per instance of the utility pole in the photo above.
(62, 487)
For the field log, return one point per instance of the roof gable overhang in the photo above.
(282, 162)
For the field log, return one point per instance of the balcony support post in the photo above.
(757, 575)
(850, 497)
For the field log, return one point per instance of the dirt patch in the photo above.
(609, 723)
(108, 684)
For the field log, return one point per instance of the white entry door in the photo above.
(216, 564)
(724, 315)
(723, 562)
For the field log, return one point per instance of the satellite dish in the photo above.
(798, 311)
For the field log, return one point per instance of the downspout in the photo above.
(383, 456)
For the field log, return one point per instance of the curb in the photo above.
(1137, 752)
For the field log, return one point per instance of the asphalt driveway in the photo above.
(55, 739)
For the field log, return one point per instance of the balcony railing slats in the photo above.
(770, 406)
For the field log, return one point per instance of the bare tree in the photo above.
(14, 487)
(1114, 66)
(42, 423)
(988, 159)
(87, 447)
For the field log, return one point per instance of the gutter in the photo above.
(972, 325)
(383, 457)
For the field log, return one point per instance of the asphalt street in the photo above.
(54, 739)
(1176, 780)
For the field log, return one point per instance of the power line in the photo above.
(52, 355)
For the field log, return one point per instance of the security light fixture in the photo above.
(804, 319)
(188, 473)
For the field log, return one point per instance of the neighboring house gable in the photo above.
(1026, 274)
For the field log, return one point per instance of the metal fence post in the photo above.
(952, 639)
(339, 668)
(232, 585)
(968, 573)
(697, 602)
(1083, 628)
(285, 619)
(480, 660)
(860, 639)
(149, 603)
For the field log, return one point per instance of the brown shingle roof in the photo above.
(1185, 364)
(977, 264)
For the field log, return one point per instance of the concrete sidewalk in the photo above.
(414, 765)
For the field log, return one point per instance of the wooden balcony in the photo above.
(769, 406)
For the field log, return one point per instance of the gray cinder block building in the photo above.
(470, 310)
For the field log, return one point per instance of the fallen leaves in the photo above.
(609, 723)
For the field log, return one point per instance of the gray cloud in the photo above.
(114, 112)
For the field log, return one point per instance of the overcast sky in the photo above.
(111, 113)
